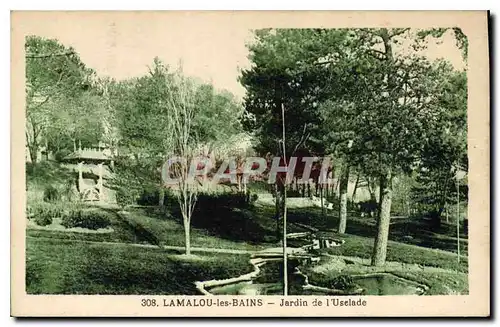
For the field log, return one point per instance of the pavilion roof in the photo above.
(87, 154)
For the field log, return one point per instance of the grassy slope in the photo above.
(168, 231)
(45, 173)
(141, 226)
(122, 233)
(357, 246)
(410, 231)
(68, 267)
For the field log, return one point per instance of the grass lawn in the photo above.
(66, 267)
(357, 246)
(166, 230)
(147, 226)
(56, 264)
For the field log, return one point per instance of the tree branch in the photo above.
(398, 31)
(47, 55)
(302, 139)
(376, 53)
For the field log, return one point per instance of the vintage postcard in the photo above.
(250, 164)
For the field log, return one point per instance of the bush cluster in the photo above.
(343, 282)
(126, 196)
(213, 202)
(51, 194)
(86, 218)
(43, 213)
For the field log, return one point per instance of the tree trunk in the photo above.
(383, 222)
(187, 236)
(371, 189)
(435, 216)
(161, 197)
(355, 189)
(33, 148)
(327, 189)
(322, 201)
(344, 182)
(380, 196)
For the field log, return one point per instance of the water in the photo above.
(269, 282)
(388, 284)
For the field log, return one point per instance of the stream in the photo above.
(266, 279)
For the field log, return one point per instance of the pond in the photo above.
(388, 284)
(269, 282)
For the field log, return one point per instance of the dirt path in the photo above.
(151, 246)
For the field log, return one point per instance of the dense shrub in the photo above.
(259, 187)
(149, 198)
(368, 207)
(294, 193)
(43, 213)
(213, 202)
(253, 198)
(51, 194)
(43, 220)
(343, 282)
(126, 196)
(86, 218)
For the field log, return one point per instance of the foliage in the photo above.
(445, 151)
(402, 198)
(51, 194)
(343, 282)
(287, 69)
(461, 39)
(132, 177)
(167, 114)
(86, 218)
(213, 202)
(56, 82)
(43, 213)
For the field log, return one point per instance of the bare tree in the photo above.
(181, 100)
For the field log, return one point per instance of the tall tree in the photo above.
(182, 102)
(392, 112)
(163, 115)
(446, 149)
(53, 71)
(287, 71)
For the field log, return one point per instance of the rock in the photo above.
(332, 264)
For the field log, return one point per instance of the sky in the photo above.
(210, 48)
